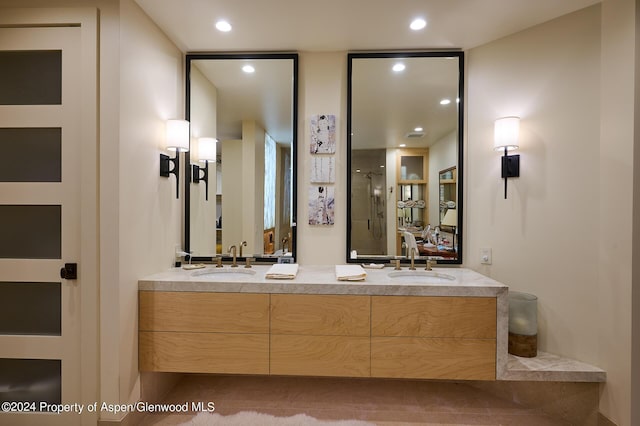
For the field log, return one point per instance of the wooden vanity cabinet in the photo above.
(433, 337)
(197, 332)
(416, 337)
(320, 335)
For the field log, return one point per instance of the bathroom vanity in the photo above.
(449, 323)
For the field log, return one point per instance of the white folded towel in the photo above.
(282, 271)
(350, 273)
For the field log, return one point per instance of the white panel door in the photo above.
(41, 359)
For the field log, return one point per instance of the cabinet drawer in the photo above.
(413, 316)
(204, 312)
(331, 315)
(320, 356)
(204, 352)
(433, 358)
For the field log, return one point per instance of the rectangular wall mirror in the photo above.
(242, 192)
(404, 144)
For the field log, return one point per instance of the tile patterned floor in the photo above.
(383, 402)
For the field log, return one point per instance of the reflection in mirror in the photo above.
(245, 197)
(404, 137)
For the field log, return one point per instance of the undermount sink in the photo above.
(225, 272)
(421, 277)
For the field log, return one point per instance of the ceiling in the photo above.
(305, 25)
(264, 95)
(335, 25)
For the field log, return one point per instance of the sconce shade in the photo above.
(505, 133)
(177, 135)
(207, 149)
(450, 218)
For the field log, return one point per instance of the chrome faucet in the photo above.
(242, 244)
(232, 252)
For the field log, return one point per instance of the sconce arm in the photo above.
(166, 170)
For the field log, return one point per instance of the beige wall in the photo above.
(635, 309)
(555, 236)
(151, 91)
(232, 206)
(616, 171)
(322, 90)
(252, 191)
(544, 234)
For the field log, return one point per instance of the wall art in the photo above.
(323, 134)
(321, 205)
(323, 169)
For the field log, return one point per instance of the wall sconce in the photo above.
(505, 138)
(206, 153)
(177, 139)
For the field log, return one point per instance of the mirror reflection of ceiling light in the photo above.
(248, 69)
(418, 129)
(418, 24)
(445, 102)
(223, 26)
(402, 145)
(398, 67)
(382, 166)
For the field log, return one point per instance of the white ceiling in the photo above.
(338, 25)
(264, 96)
(302, 25)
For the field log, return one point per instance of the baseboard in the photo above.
(154, 387)
(604, 421)
(573, 402)
(133, 418)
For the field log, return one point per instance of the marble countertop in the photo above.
(546, 367)
(441, 281)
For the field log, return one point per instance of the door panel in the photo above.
(41, 147)
(23, 82)
(40, 117)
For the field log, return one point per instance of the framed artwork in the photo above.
(321, 205)
(323, 134)
(323, 169)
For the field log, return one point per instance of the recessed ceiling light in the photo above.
(418, 24)
(357, 170)
(398, 67)
(445, 102)
(248, 69)
(223, 26)
(418, 129)
(402, 145)
(382, 166)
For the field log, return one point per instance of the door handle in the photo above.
(69, 272)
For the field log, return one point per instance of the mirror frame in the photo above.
(460, 166)
(294, 152)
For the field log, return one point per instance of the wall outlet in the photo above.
(485, 256)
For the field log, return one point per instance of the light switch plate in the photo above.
(485, 256)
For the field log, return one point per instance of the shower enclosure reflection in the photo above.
(368, 183)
